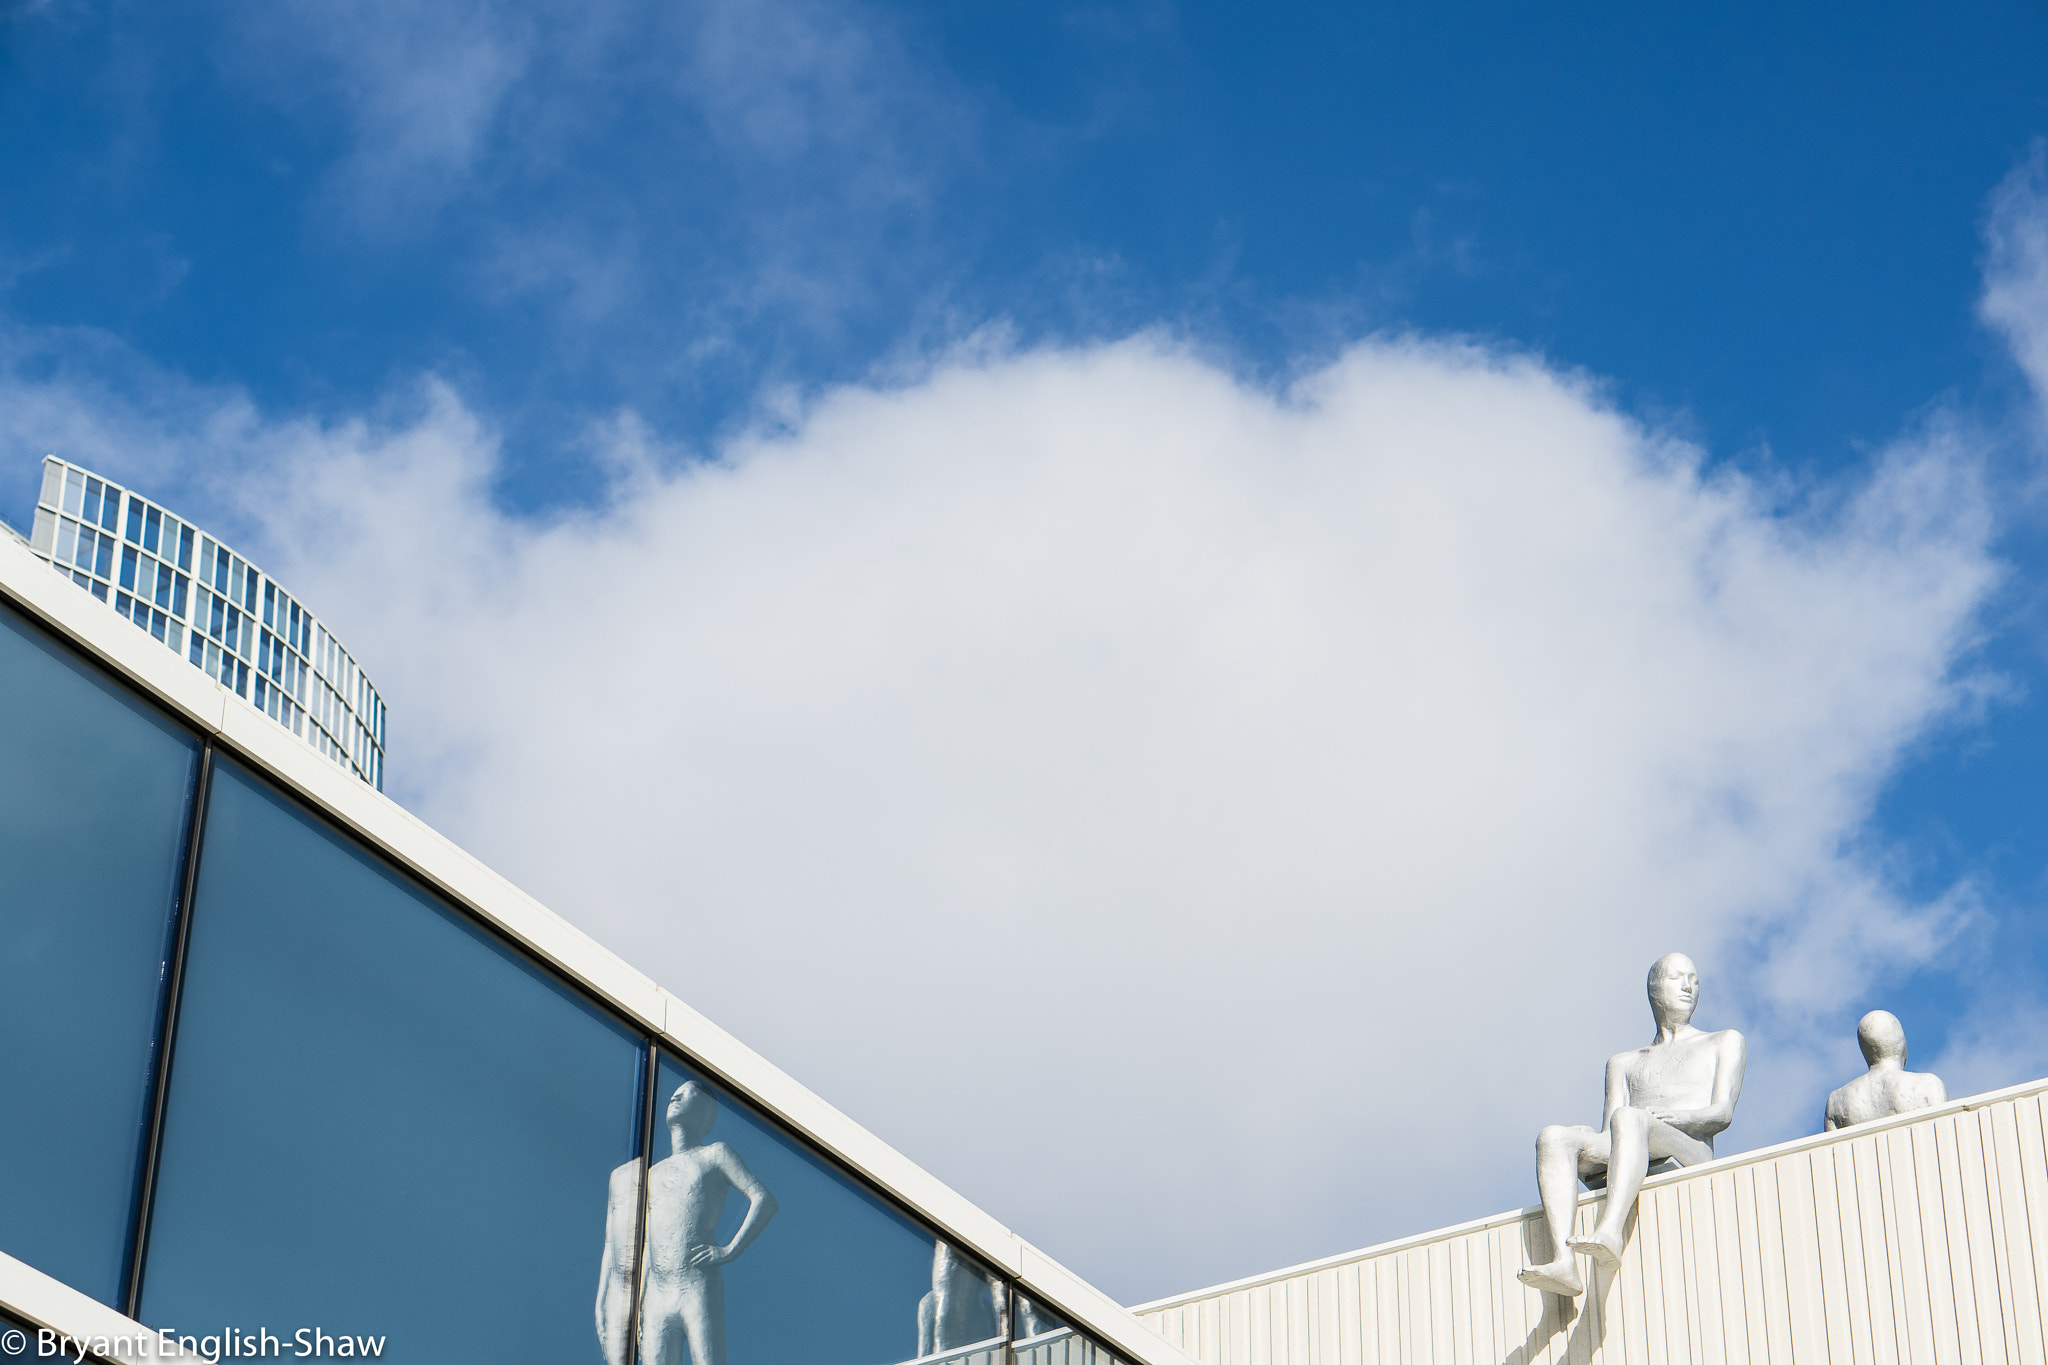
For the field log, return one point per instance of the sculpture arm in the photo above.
(761, 1205)
(1617, 1088)
(615, 1273)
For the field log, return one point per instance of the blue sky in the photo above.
(1767, 220)
(551, 268)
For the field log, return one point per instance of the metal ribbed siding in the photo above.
(1918, 1241)
(1063, 1347)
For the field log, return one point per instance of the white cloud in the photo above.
(2016, 279)
(1211, 829)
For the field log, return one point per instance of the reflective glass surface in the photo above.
(92, 833)
(832, 1276)
(381, 1120)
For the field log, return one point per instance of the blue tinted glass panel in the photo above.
(381, 1119)
(92, 831)
(836, 1276)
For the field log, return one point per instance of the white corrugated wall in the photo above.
(1922, 1240)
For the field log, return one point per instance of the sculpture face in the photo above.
(1674, 987)
(693, 1109)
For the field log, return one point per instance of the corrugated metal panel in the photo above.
(1922, 1240)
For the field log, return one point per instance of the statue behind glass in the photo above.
(965, 1304)
(683, 1294)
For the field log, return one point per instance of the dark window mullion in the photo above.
(650, 1080)
(166, 1035)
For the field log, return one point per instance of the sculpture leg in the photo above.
(1557, 1181)
(703, 1313)
(1628, 1161)
(614, 1317)
(661, 1334)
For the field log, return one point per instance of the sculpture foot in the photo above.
(1605, 1253)
(1559, 1277)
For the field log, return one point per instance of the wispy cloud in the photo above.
(418, 91)
(2016, 277)
(768, 142)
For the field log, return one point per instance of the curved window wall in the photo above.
(264, 1081)
(219, 612)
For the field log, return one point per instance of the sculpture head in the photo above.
(1674, 989)
(1882, 1037)
(692, 1111)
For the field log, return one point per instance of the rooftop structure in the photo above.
(1920, 1239)
(215, 609)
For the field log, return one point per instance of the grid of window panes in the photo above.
(206, 603)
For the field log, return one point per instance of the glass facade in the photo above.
(219, 612)
(92, 836)
(321, 1099)
(862, 1271)
(361, 1068)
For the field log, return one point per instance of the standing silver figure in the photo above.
(682, 1299)
(1665, 1102)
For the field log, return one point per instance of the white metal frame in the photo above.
(27, 582)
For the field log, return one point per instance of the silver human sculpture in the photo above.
(683, 1298)
(965, 1304)
(1664, 1102)
(1887, 1088)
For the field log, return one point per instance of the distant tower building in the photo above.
(213, 607)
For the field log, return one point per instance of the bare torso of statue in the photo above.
(1887, 1088)
(1676, 1076)
(1665, 1102)
(682, 1299)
